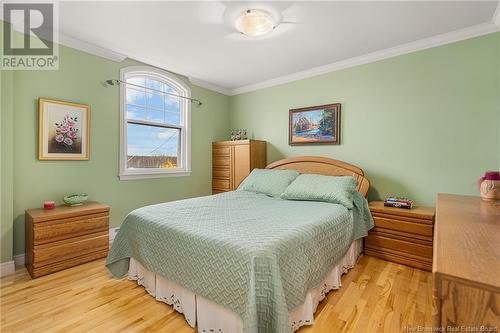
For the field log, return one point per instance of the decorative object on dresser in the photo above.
(238, 134)
(232, 161)
(489, 186)
(401, 235)
(65, 236)
(75, 199)
(466, 265)
(49, 204)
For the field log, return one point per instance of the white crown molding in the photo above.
(496, 16)
(7, 268)
(209, 86)
(75, 43)
(90, 48)
(438, 40)
(119, 56)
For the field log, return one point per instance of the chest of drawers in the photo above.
(232, 161)
(65, 237)
(401, 235)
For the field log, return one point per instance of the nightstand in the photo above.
(401, 235)
(65, 236)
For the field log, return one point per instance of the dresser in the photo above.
(401, 235)
(466, 266)
(65, 236)
(232, 161)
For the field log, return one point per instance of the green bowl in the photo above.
(75, 199)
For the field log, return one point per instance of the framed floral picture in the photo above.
(63, 130)
(315, 125)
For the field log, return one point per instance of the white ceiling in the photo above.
(197, 39)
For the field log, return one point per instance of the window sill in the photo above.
(132, 176)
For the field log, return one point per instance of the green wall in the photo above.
(79, 80)
(418, 124)
(6, 165)
(6, 161)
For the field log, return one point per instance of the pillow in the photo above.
(334, 189)
(267, 181)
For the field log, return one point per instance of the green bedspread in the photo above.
(256, 255)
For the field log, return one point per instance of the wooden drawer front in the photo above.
(404, 260)
(380, 242)
(221, 151)
(222, 162)
(408, 256)
(220, 173)
(58, 266)
(404, 218)
(59, 251)
(402, 235)
(404, 226)
(221, 184)
(51, 231)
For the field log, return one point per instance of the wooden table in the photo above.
(466, 266)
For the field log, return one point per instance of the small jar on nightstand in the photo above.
(401, 235)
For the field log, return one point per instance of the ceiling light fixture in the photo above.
(255, 22)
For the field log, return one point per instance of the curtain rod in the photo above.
(113, 82)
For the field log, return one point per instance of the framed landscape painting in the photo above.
(63, 130)
(315, 125)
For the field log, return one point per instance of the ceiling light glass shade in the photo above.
(255, 22)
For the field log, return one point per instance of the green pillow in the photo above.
(268, 181)
(334, 189)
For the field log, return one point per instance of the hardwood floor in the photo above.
(376, 296)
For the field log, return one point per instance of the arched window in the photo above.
(155, 124)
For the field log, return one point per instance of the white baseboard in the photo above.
(20, 259)
(7, 268)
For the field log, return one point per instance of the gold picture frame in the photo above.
(314, 125)
(63, 130)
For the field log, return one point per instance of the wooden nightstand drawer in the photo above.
(401, 235)
(396, 234)
(56, 230)
(70, 248)
(404, 226)
(402, 246)
(395, 256)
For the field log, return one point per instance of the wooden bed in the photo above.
(209, 315)
(323, 166)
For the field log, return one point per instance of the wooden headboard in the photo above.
(323, 166)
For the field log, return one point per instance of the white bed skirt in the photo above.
(211, 317)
